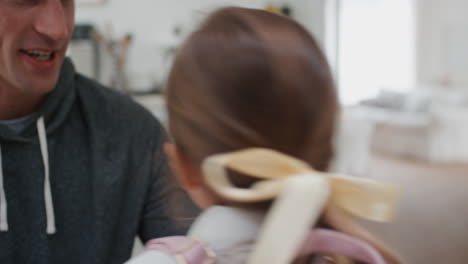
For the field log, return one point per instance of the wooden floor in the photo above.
(432, 225)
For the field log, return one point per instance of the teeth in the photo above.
(40, 55)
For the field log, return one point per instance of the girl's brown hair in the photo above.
(250, 78)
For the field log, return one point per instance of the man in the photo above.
(81, 167)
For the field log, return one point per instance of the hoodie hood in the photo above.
(50, 116)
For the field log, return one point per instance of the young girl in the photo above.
(253, 79)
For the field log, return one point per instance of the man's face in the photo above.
(34, 35)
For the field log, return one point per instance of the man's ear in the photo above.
(185, 171)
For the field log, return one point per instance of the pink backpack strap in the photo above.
(325, 241)
(184, 249)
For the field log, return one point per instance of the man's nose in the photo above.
(52, 21)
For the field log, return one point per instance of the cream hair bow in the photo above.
(300, 194)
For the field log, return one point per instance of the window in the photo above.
(370, 44)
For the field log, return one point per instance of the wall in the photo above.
(311, 13)
(151, 23)
(442, 54)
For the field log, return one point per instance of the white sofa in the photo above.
(426, 124)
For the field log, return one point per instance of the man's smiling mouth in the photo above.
(39, 55)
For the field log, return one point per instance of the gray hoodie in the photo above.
(81, 181)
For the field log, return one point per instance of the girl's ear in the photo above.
(189, 176)
(183, 168)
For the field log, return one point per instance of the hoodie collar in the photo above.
(54, 109)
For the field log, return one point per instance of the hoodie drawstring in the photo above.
(3, 202)
(49, 206)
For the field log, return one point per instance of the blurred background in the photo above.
(401, 68)
(400, 65)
